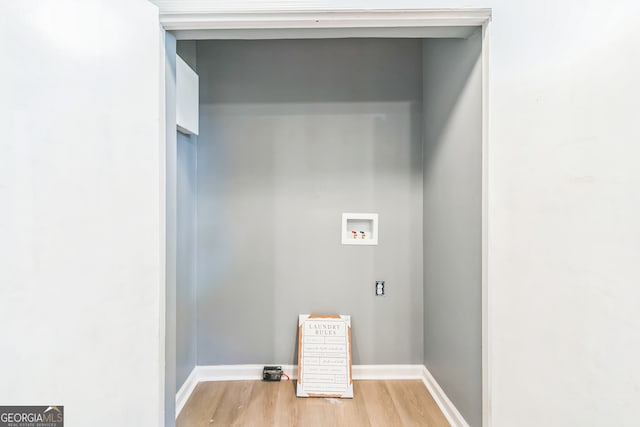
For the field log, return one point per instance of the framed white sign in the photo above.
(324, 356)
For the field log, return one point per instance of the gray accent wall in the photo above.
(186, 49)
(292, 134)
(186, 302)
(453, 220)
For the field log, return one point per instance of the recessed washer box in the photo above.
(359, 229)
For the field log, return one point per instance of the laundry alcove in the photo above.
(293, 132)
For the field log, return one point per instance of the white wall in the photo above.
(80, 225)
(564, 203)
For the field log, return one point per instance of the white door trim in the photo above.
(182, 16)
(176, 15)
(486, 304)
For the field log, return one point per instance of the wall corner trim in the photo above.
(450, 412)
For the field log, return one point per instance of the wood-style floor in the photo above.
(257, 403)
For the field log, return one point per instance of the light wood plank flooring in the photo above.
(257, 403)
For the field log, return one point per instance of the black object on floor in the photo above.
(272, 373)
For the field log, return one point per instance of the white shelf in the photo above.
(187, 100)
(359, 229)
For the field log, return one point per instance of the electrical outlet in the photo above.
(379, 288)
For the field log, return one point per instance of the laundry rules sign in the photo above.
(324, 356)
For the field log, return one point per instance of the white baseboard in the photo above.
(185, 391)
(387, 372)
(360, 372)
(446, 406)
(238, 372)
(254, 372)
